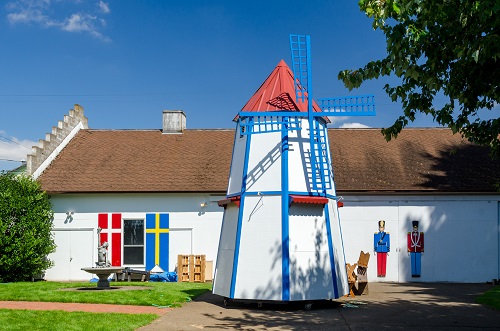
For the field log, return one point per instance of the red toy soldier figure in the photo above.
(415, 248)
(382, 246)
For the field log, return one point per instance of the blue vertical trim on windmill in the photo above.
(240, 212)
(323, 152)
(247, 154)
(309, 77)
(329, 157)
(331, 250)
(285, 231)
(237, 247)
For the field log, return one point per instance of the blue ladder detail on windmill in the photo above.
(321, 176)
(301, 65)
(266, 124)
(321, 173)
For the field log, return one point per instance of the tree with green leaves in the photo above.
(435, 48)
(25, 228)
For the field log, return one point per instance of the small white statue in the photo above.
(102, 255)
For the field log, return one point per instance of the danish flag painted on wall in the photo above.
(111, 225)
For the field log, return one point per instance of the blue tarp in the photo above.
(95, 280)
(163, 277)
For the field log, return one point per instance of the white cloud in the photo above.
(80, 22)
(28, 11)
(337, 119)
(38, 12)
(104, 7)
(354, 126)
(16, 150)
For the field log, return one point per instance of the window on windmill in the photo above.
(133, 242)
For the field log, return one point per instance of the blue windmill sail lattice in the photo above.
(321, 174)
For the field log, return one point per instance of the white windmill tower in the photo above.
(281, 238)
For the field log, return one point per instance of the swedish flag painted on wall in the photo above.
(157, 229)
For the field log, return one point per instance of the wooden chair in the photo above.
(351, 277)
(362, 275)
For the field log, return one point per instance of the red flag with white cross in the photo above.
(111, 231)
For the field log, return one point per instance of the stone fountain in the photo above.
(103, 268)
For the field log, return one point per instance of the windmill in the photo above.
(280, 237)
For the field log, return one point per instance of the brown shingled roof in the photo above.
(419, 160)
(142, 161)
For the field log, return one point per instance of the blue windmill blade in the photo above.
(301, 65)
(300, 47)
(362, 105)
(355, 105)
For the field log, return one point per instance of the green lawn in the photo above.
(490, 298)
(60, 320)
(156, 294)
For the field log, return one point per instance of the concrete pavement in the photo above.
(394, 306)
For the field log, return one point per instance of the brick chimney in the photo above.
(174, 121)
(54, 142)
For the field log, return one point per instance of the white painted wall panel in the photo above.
(260, 256)
(134, 202)
(74, 251)
(264, 167)
(224, 265)
(460, 240)
(205, 231)
(297, 163)
(180, 243)
(359, 222)
(310, 266)
(445, 221)
(237, 163)
(441, 211)
(339, 248)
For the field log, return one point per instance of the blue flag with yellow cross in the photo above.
(157, 241)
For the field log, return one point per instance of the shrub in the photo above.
(25, 228)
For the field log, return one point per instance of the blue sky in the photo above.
(125, 61)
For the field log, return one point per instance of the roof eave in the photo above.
(414, 192)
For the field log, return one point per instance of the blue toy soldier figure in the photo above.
(416, 249)
(382, 246)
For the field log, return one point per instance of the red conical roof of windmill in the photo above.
(277, 93)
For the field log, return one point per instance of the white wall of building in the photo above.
(461, 235)
(461, 232)
(193, 228)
